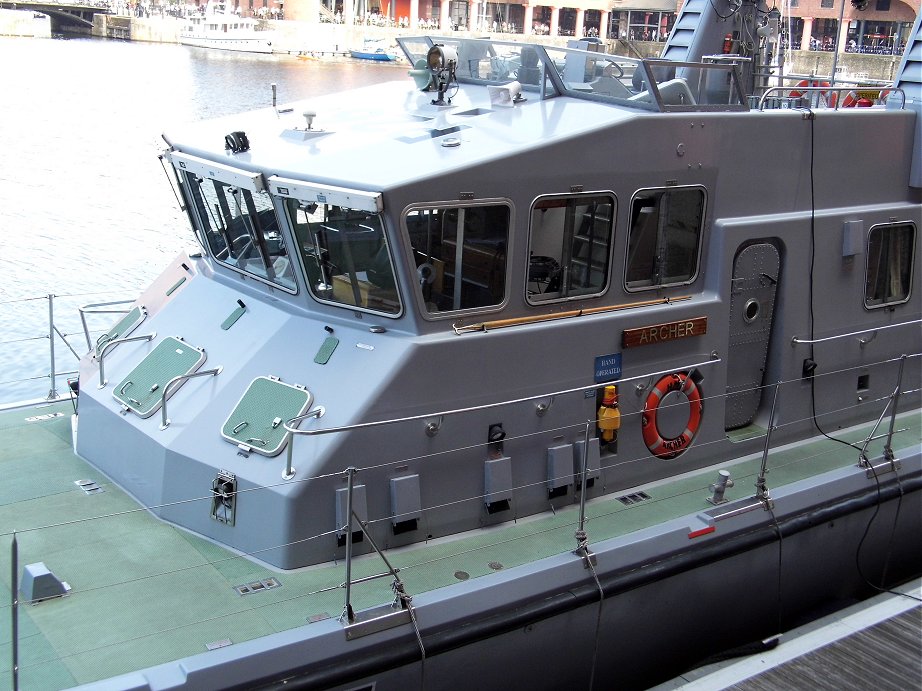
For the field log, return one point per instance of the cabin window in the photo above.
(345, 255)
(890, 253)
(460, 255)
(240, 228)
(665, 238)
(570, 250)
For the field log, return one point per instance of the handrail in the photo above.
(795, 340)
(89, 309)
(460, 328)
(164, 421)
(118, 341)
(485, 406)
(781, 91)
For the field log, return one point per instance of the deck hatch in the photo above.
(257, 421)
(141, 391)
(122, 327)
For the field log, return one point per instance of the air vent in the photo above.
(258, 586)
(89, 486)
(636, 498)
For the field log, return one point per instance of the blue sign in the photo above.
(607, 368)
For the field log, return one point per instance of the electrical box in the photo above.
(593, 461)
(359, 506)
(406, 504)
(559, 467)
(497, 480)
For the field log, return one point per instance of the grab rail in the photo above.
(164, 421)
(90, 309)
(118, 341)
(432, 428)
(485, 406)
(796, 340)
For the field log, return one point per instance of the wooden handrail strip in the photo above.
(534, 319)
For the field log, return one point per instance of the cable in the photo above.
(812, 118)
(887, 555)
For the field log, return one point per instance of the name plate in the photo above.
(670, 331)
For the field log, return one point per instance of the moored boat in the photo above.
(221, 29)
(549, 357)
(378, 54)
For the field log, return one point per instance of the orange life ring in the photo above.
(658, 445)
(807, 83)
(850, 100)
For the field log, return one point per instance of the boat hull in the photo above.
(629, 622)
(239, 45)
(372, 55)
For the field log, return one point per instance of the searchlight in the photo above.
(442, 63)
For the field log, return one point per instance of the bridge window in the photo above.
(570, 250)
(889, 271)
(665, 238)
(240, 228)
(345, 255)
(460, 255)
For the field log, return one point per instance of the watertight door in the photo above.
(752, 308)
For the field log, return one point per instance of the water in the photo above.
(86, 212)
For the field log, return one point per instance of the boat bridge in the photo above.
(65, 16)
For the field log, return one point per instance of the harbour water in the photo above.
(86, 212)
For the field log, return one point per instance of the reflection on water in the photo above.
(85, 208)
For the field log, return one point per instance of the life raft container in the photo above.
(660, 446)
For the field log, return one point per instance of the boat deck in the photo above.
(145, 592)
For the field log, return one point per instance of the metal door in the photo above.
(752, 309)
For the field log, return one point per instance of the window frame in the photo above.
(572, 196)
(411, 260)
(912, 261)
(349, 245)
(188, 169)
(629, 229)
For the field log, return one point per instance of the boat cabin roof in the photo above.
(499, 99)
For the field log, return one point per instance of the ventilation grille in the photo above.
(636, 498)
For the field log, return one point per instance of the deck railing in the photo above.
(56, 334)
(399, 610)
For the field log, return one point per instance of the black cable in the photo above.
(720, 16)
(812, 117)
(867, 530)
(816, 424)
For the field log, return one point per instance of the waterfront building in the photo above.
(881, 27)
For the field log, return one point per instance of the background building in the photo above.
(808, 24)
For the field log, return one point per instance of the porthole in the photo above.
(751, 310)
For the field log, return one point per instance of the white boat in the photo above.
(223, 30)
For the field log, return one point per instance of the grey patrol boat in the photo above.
(544, 368)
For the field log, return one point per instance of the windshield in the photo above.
(345, 255)
(651, 84)
(241, 229)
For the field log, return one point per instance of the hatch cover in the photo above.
(258, 420)
(141, 391)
